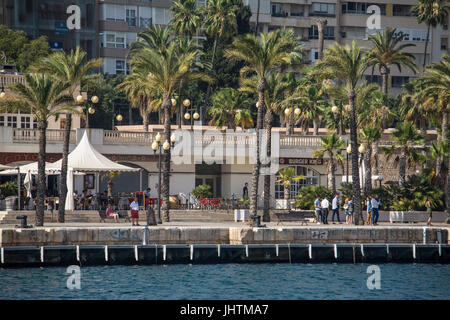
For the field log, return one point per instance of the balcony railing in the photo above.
(32, 136)
(125, 137)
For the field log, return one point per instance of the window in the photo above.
(276, 10)
(160, 16)
(131, 37)
(25, 122)
(312, 178)
(120, 66)
(444, 44)
(328, 33)
(34, 124)
(398, 82)
(12, 121)
(374, 79)
(62, 123)
(145, 17)
(2, 121)
(361, 7)
(114, 12)
(131, 17)
(326, 9)
(402, 10)
(115, 40)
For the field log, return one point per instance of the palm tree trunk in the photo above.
(166, 171)
(355, 166)
(65, 156)
(289, 126)
(145, 120)
(402, 168)
(426, 46)
(445, 173)
(331, 176)
(321, 23)
(257, 17)
(208, 90)
(268, 124)
(257, 165)
(375, 158)
(41, 186)
(384, 78)
(287, 192)
(368, 171)
(316, 125)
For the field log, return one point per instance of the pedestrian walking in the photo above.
(318, 210)
(325, 204)
(245, 191)
(369, 211)
(350, 209)
(375, 205)
(429, 211)
(335, 208)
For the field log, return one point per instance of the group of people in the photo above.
(322, 207)
(81, 200)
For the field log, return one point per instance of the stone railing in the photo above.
(32, 136)
(303, 141)
(127, 137)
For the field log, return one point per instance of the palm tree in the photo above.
(332, 147)
(436, 92)
(219, 15)
(43, 96)
(185, 17)
(262, 55)
(140, 95)
(432, 13)
(230, 107)
(407, 149)
(72, 69)
(287, 175)
(387, 51)
(370, 134)
(312, 104)
(278, 86)
(348, 65)
(321, 24)
(166, 67)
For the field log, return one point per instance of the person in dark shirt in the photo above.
(245, 191)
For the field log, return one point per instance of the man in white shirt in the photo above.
(134, 206)
(375, 205)
(325, 205)
(335, 208)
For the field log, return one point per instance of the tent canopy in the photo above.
(32, 167)
(3, 167)
(85, 158)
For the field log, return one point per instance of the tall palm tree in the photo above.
(262, 55)
(229, 107)
(370, 134)
(436, 90)
(387, 50)
(321, 24)
(166, 68)
(185, 17)
(432, 13)
(276, 94)
(43, 96)
(72, 69)
(407, 149)
(219, 15)
(332, 147)
(349, 64)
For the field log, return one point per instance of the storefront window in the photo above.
(312, 179)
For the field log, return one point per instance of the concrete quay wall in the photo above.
(218, 235)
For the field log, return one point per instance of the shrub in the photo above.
(307, 195)
(202, 191)
(8, 189)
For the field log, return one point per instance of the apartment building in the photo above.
(347, 20)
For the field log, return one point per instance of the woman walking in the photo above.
(349, 211)
(347, 214)
(134, 206)
(429, 211)
(369, 211)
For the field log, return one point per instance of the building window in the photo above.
(361, 7)
(115, 41)
(322, 9)
(114, 12)
(398, 82)
(328, 33)
(2, 121)
(444, 44)
(402, 10)
(25, 122)
(120, 66)
(374, 79)
(62, 123)
(12, 121)
(131, 17)
(312, 178)
(145, 17)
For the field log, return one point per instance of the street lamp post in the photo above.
(191, 113)
(89, 110)
(157, 145)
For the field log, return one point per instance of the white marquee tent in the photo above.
(84, 158)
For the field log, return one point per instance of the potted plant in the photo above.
(202, 191)
(9, 191)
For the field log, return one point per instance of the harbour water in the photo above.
(230, 281)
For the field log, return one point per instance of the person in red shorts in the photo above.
(134, 206)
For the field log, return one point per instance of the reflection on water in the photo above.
(230, 281)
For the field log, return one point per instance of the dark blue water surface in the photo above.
(230, 281)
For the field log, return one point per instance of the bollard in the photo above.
(425, 235)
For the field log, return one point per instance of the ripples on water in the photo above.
(230, 281)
